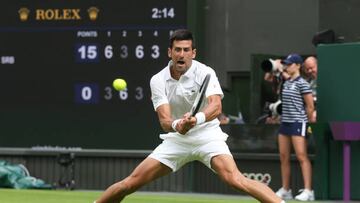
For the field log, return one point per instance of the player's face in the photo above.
(181, 55)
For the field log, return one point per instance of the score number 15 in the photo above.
(87, 53)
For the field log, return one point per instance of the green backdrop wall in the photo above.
(338, 100)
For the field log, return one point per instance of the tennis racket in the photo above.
(200, 96)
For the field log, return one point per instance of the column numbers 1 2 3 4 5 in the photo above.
(158, 13)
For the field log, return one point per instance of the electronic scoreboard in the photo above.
(57, 63)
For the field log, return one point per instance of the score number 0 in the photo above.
(88, 93)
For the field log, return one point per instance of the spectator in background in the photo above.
(311, 71)
(276, 78)
(223, 119)
(297, 111)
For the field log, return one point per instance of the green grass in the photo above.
(57, 196)
(45, 196)
(60, 196)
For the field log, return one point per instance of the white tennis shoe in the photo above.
(305, 195)
(284, 194)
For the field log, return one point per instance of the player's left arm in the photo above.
(214, 95)
(214, 107)
(309, 107)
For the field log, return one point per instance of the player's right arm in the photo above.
(163, 109)
(160, 102)
(164, 114)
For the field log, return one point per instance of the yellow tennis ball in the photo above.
(119, 84)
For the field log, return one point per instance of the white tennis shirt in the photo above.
(180, 95)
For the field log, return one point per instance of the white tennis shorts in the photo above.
(176, 154)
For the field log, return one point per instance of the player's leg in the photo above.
(225, 166)
(300, 146)
(147, 171)
(285, 152)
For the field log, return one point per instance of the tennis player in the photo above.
(188, 138)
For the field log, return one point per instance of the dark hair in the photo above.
(182, 34)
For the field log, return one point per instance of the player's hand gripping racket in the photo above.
(200, 96)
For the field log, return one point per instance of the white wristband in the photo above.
(200, 118)
(174, 123)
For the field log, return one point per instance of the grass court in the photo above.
(61, 196)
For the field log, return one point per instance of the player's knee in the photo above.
(131, 184)
(236, 181)
(121, 188)
(242, 183)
